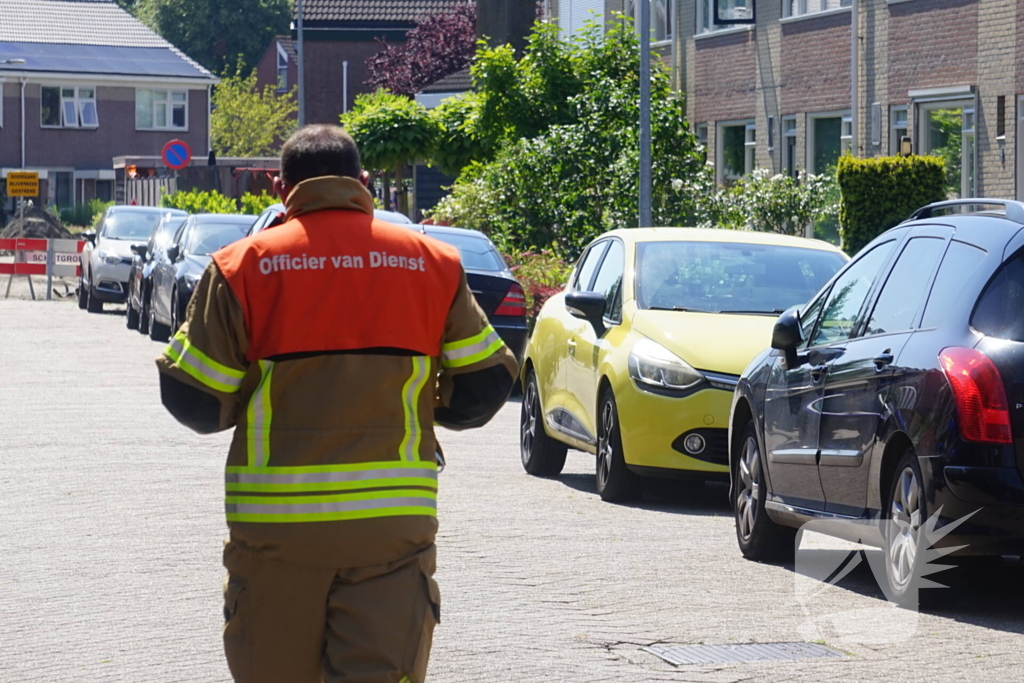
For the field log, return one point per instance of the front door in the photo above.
(585, 344)
(794, 399)
(858, 380)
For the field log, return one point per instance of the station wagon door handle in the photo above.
(883, 359)
(818, 372)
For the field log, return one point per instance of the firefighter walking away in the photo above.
(332, 344)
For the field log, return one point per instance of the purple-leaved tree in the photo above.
(439, 46)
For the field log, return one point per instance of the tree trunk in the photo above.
(403, 197)
(387, 190)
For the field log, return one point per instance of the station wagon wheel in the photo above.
(905, 538)
(615, 482)
(759, 537)
(542, 456)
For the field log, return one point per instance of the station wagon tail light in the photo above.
(980, 395)
(514, 302)
(652, 366)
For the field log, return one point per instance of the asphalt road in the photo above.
(111, 530)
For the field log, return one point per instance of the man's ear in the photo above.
(281, 188)
(364, 178)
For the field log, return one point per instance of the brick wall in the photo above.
(325, 75)
(815, 64)
(266, 69)
(932, 43)
(723, 86)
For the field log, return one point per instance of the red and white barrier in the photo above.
(57, 257)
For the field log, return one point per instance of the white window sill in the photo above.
(895, 2)
(69, 127)
(655, 44)
(815, 15)
(724, 32)
(161, 130)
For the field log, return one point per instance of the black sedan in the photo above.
(182, 263)
(493, 286)
(897, 393)
(144, 259)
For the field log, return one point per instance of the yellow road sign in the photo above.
(22, 184)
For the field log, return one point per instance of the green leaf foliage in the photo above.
(246, 122)
(211, 201)
(879, 193)
(566, 161)
(390, 130)
(216, 33)
(460, 137)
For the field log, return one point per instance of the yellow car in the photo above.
(636, 359)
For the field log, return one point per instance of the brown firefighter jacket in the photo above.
(333, 343)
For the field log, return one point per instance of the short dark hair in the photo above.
(319, 150)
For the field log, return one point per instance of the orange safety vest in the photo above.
(400, 285)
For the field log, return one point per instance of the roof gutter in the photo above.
(111, 79)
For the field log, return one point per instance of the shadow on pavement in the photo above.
(982, 591)
(667, 495)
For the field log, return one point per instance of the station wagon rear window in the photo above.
(728, 277)
(477, 253)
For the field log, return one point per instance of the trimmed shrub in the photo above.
(254, 204)
(211, 201)
(880, 193)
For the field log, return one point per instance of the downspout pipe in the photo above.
(344, 87)
(23, 122)
(854, 59)
(300, 54)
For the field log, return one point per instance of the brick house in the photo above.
(338, 37)
(279, 65)
(82, 81)
(948, 74)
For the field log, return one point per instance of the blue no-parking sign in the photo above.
(176, 154)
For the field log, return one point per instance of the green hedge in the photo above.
(882, 192)
(211, 201)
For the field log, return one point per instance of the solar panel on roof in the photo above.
(100, 59)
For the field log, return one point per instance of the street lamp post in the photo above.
(645, 114)
(301, 58)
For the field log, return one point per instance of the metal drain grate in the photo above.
(678, 655)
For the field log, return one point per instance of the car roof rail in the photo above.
(1013, 211)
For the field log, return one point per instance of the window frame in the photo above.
(601, 244)
(77, 102)
(720, 126)
(894, 137)
(869, 299)
(968, 106)
(811, 129)
(282, 83)
(169, 103)
(804, 9)
(610, 304)
(915, 321)
(789, 154)
(631, 10)
(704, 26)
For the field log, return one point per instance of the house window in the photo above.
(706, 14)
(899, 128)
(702, 134)
(829, 135)
(798, 8)
(846, 136)
(771, 133)
(161, 109)
(67, 107)
(789, 135)
(661, 18)
(749, 148)
(735, 146)
(947, 130)
(282, 69)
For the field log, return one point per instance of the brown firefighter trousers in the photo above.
(287, 623)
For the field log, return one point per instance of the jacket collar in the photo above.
(328, 192)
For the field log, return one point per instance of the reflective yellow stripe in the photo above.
(286, 480)
(473, 350)
(344, 506)
(259, 416)
(203, 368)
(409, 449)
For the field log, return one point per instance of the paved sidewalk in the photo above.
(111, 527)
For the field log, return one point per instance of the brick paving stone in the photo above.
(111, 530)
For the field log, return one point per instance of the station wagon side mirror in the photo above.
(787, 336)
(173, 252)
(89, 236)
(588, 306)
(139, 249)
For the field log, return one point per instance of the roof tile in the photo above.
(374, 10)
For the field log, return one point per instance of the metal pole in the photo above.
(49, 269)
(299, 53)
(344, 87)
(645, 114)
(854, 58)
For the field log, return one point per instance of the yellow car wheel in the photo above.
(542, 456)
(615, 482)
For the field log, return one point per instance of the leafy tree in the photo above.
(216, 32)
(247, 122)
(566, 165)
(439, 46)
(460, 138)
(392, 132)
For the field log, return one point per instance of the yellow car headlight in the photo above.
(655, 368)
